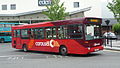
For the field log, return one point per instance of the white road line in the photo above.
(14, 58)
(55, 56)
(112, 51)
(9, 58)
(60, 56)
(22, 57)
(66, 56)
(17, 57)
(12, 55)
(47, 57)
(3, 56)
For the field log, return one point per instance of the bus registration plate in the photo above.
(96, 49)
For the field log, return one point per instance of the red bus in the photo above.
(76, 36)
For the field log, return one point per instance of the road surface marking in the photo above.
(22, 57)
(47, 57)
(112, 51)
(55, 56)
(15, 58)
(9, 58)
(60, 56)
(3, 56)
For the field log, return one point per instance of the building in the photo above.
(29, 11)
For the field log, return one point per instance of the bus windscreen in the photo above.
(92, 32)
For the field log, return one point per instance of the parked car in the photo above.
(110, 35)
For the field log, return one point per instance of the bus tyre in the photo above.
(63, 50)
(2, 40)
(25, 48)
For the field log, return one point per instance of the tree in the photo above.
(116, 28)
(56, 11)
(114, 7)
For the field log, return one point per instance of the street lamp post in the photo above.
(107, 23)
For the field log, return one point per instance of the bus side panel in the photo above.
(80, 47)
(39, 45)
(16, 40)
(16, 43)
(22, 42)
(13, 40)
(75, 47)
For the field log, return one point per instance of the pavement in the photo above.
(15, 58)
(115, 45)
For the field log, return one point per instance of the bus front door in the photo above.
(18, 39)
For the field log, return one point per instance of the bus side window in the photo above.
(54, 33)
(31, 33)
(51, 33)
(24, 34)
(48, 33)
(75, 31)
(14, 35)
(62, 32)
(36, 33)
(39, 33)
(17, 33)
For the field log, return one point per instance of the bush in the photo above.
(116, 28)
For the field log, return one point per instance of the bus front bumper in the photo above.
(95, 49)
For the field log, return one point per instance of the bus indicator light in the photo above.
(86, 42)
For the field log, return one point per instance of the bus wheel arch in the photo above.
(25, 49)
(63, 50)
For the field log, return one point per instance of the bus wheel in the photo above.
(63, 50)
(25, 48)
(2, 40)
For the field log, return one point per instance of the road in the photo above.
(12, 58)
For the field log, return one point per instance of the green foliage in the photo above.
(56, 11)
(116, 27)
(115, 8)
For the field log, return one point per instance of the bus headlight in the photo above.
(88, 48)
